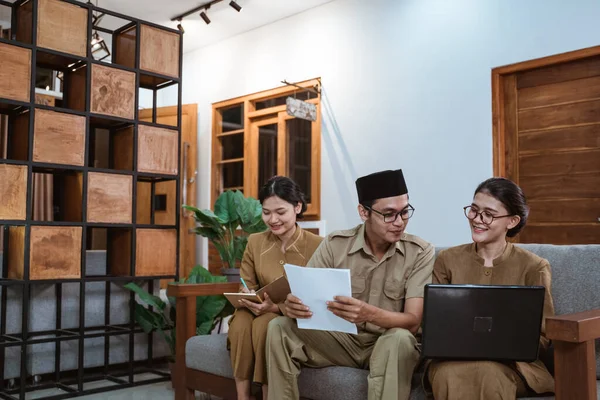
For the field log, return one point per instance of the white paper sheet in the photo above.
(315, 287)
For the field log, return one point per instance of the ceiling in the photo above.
(225, 21)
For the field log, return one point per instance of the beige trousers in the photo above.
(475, 380)
(247, 337)
(390, 357)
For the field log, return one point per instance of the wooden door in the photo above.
(547, 139)
(165, 191)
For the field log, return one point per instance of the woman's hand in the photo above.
(266, 306)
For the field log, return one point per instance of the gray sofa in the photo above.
(575, 280)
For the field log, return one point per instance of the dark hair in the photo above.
(286, 189)
(511, 196)
(368, 204)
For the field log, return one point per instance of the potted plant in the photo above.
(228, 227)
(210, 310)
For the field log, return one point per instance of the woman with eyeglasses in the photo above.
(499, 210)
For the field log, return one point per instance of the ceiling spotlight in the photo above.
(205, 17)
(235, 6)
(180, 27)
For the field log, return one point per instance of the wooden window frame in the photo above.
(250, 137)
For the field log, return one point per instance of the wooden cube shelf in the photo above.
(119, 253)
(15, 72)
(58, 138)
(13, 192)
(17, 147)
(16, 252)
(159, 51)
(166, 192)
(62, 27)
(155, 252)
(113, 92)
(125, 47)
(157, 150)
(55, 252)
(110, 198)
(122, 142)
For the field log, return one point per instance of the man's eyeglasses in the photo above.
(485, 217)
(405, 214)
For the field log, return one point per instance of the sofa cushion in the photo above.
(208, 353)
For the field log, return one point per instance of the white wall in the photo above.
(406, 85)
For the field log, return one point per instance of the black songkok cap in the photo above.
(381, 185)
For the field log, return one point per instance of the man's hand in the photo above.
(295, 309)
(266, 306)
(351, 309)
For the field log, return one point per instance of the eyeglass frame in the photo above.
(480, 215)
(408, 207)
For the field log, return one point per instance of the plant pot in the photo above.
(232, 274)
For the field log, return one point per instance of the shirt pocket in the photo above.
(394, 295)
(358, 286)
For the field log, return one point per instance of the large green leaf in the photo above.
(239, 244)
(204, 327)
(146, 297)
(148, 320)
(225, 207)
(207, 218)
(208, 232)
(244, 209)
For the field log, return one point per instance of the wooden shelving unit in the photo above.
(116, 197)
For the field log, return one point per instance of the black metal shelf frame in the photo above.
(74, 386)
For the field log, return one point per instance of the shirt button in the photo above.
(281, 262)
(488, 273)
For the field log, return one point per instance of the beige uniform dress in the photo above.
(263, 263)
(390, 354)
(465, 380)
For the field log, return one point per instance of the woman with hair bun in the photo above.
(499, 210)
(284, 242)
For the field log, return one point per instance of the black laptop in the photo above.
(482, 322)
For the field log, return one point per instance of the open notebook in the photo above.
(277, 291)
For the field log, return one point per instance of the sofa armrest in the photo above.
(185, 325)
(201, 289)
(574, 328)
(574, 354)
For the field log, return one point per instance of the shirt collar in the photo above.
(360, 244)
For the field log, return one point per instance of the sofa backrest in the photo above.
(575, 278)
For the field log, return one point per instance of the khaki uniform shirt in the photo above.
(263, 259)
(402, 273)
(516, 266)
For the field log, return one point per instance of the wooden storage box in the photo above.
(54, 253)
(157, 150)
(15, 72)
(109, 198)
(62, 26)
(58, 138)
(113, 92)
(159, 51)
(13, 192)
(155, 252)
